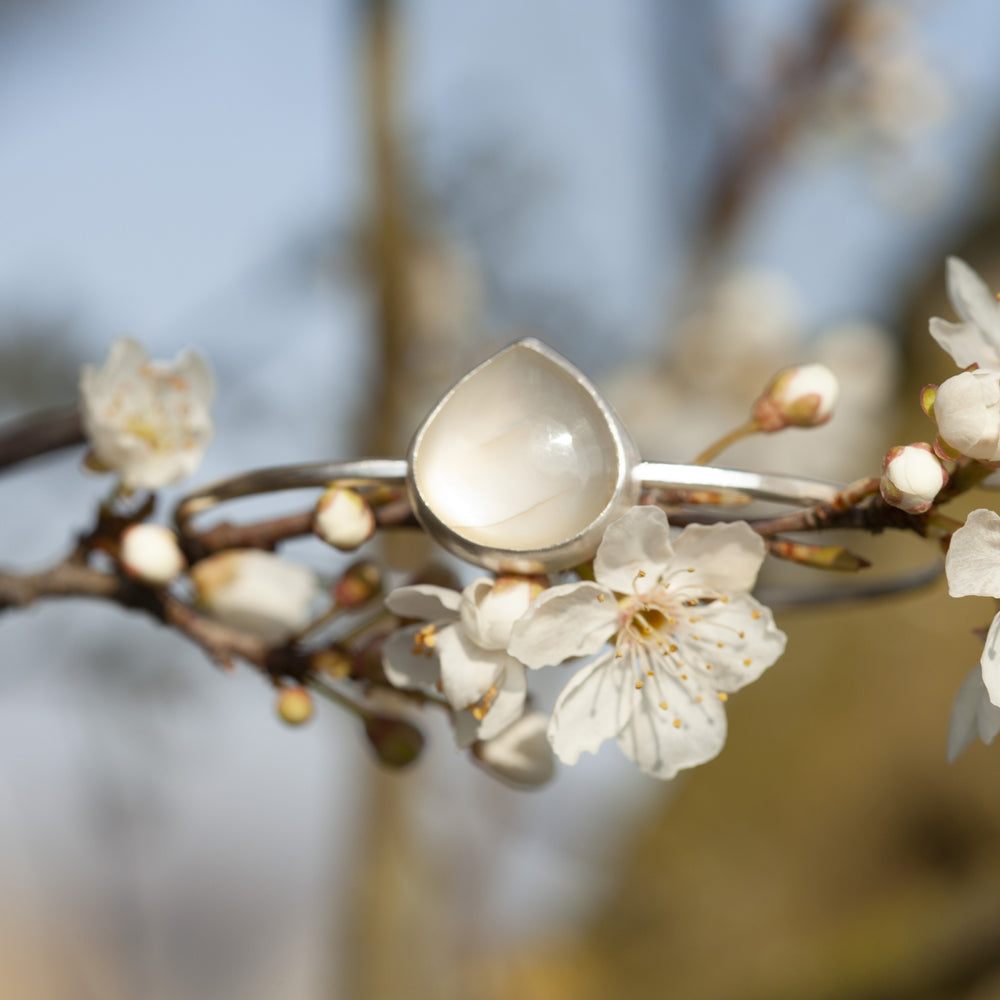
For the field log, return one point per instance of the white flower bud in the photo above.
(967, 411)
(521, 753)
(489, 608)
(151, 553)
(800, 396)
(343, 519)
(912, 477)
(257, 592)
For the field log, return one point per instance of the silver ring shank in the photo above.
(762, 486)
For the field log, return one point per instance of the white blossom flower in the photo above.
(146, 420)
(976, 340)
(151, 553)
(521, 754)
(685, 633)
(462, 649)
(973, 570)
(972, 715)
(912, 476)
(258, 592)
(967, 411)
(799, 396)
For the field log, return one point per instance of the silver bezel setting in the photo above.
(575, 549)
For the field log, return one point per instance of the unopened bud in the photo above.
(396, 742)
(333, 662)
(258, 592)
(343, 519)
(295, 705)
(151, 553)
(912, 477)
(521, 754)
(490, 607)
(967, 411)
(359, 584)
(800, 396)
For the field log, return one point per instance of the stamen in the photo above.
(723, 696)
(663, 705)
(677, 723)
(638, 685)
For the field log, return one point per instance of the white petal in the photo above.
(972, 715)
(403, 667)
(490, 608)
(508, 706)
(574, 619)
(990, 662)
(194, 370)
(724, 659)
(466, 728)
(592, 708)
(521, 753)
(467, 671)
(974, 302)
(973, 561)
(963, 341)
(637, 543)
(725, 557)
(655, 741)
(424, 601)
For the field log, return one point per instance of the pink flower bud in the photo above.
(800, 396)
(343, 519)
(912, 477)
(151, 553)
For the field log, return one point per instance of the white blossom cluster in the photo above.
(671, 621)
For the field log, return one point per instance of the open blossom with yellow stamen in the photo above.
(463, 650)
(684, 632)
(146, 420)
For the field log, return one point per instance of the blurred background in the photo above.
(344, 206)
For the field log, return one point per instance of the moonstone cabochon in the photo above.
(522, 465)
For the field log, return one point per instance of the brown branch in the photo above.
(39, 433)
(267, 534)
(221, 642)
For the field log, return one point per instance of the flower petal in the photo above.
(467, 671)
(405, 668)
(637, 543)
(592, 708)
(662, 741)
(972, 715)
(574, 619)
(990, 662)
(490, 608)
(508, 705)
(424, 601)
(736, 642)
(725, 557)
(973, 561)
(974, 302)
(521, 753)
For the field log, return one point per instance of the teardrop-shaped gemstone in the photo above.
(519, 455)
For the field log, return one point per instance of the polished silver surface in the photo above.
(608, 455)
(759, 485)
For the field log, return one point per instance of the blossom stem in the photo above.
(726, 441)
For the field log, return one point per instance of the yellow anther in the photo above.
(600, 597)
(690, 569)
(742, 635)
(684, 677)
(677, 723)
(723, 696)
(755, 615)
(673, 648)
(649, 673)
(663, 705)
(638, 685)
(721, 645)
(747, 662)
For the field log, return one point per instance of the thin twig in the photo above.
(38, 434)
